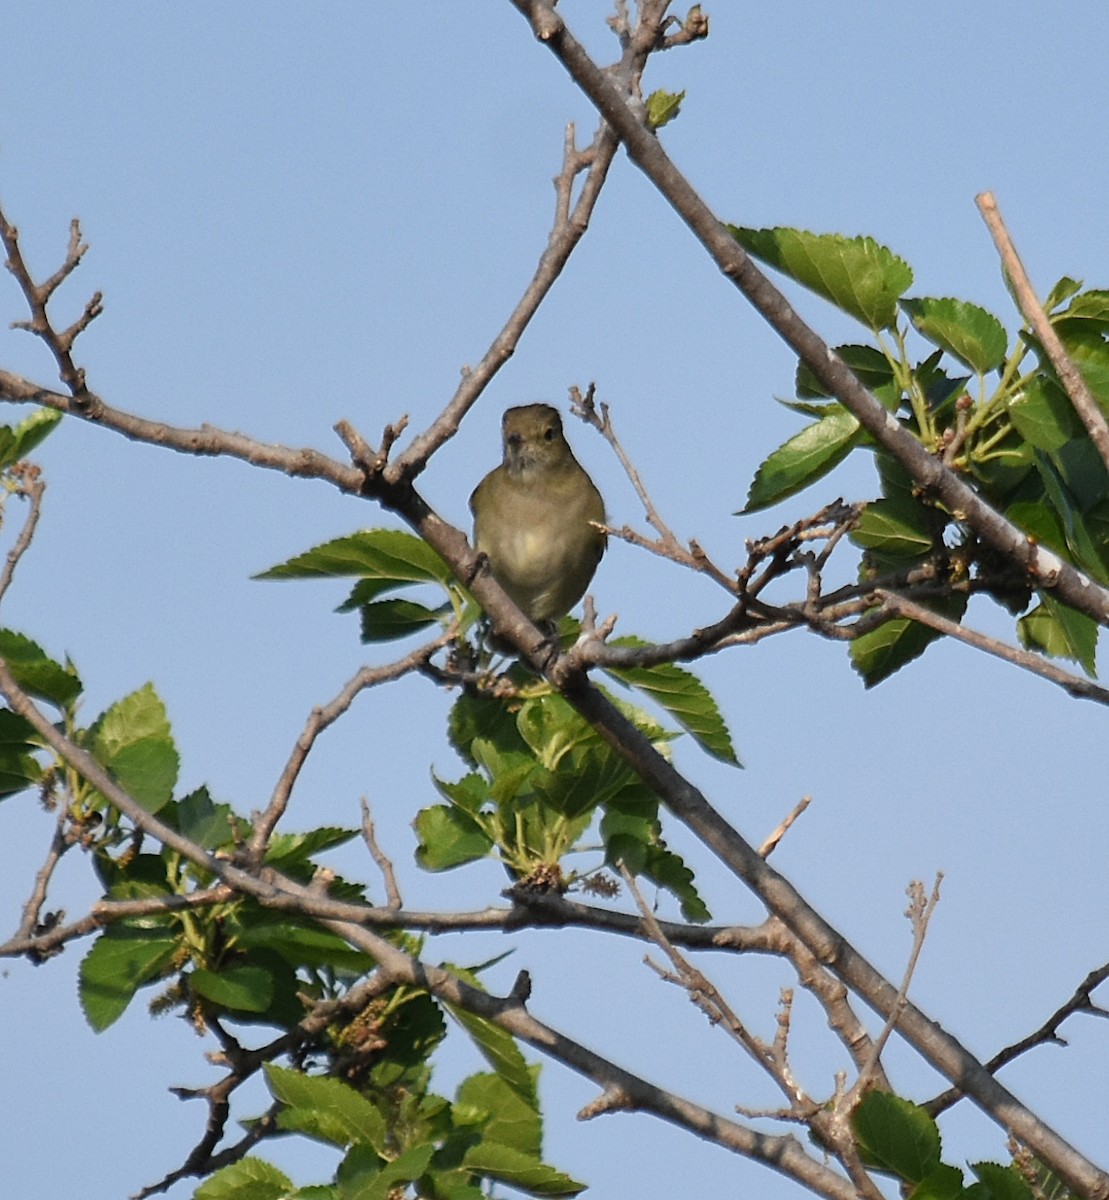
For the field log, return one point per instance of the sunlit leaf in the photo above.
(857, 275)
(120, 961)
(17, 441)
(1060, 632)
(36, 673)
(132, 740)
(897, 1135)
(385, 554)
(243, 988)
(449, 838)
(327, 1108)
(663, 107)
(247, 1179)
(805, 458)
(966, 331)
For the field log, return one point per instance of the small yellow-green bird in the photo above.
(532, 516)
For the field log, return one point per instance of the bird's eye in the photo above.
(548, 433)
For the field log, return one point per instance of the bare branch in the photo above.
(320, 718)
(1047, 1034)
(392, 892)
(38, 297)
(1074, 685)
(31, 485)
(1077, 389)
(770, 845)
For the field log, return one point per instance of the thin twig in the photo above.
(384, 863)
(31, 485)
(1076, 387)
(1074, 685)
(321, 717)
(1047, 1034)
(770, 845)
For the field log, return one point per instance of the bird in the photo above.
(534, 514)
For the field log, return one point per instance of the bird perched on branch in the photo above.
(532, 516)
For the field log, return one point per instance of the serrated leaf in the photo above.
(36, 673)
(685, 698)
(1043, 415)
(1060, 490)
(120, 961)
(803, 459)
(448, 838)
(513, 1120)
(1001, 1183)
(879, 653)
(132, 740)
(289, 850)
(1060, 632)
(242, 988)
(857, 275)
(942, 1183)
(18, 768)
(966, 331)
(247, 1179)
(897, 1135)
(498, 1047)
(387, 620)
(663, 107)
(1091, 307)
(325, 1108)
(385, 554)
(1062, 291)
(667, 869)
(899, 528)
(497, 1161)
(869, 365)
(17, 441)
(201, 820)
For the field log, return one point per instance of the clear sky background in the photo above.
(300, 213)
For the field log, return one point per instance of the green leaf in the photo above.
(1043, 415)
(449, 838)
(1091, 307)
(132, 740)
(288, 851)
(857, 275)
(299, 943)
(1062, 291)
(685, 698)
(966, 331)
(897, 1135)
(387, 620)
(498, 1047)
(1060, 632)
(869, 365)
(666, 869)
(478, 716)
(1060, 490)
(942, 1183)
(389, 555)
(1001, 1183)
(244, 988)
(513, 1119)
(879, 653)
(497, 1161)
(803, 459)
(663, 107)
(209, 825)
(120, 961)
(325, 1108)
(37, 674)
(900, 528)
(17, 441)
(1090, 352)
(18, 769)
(247, 1179)
(364, 1175)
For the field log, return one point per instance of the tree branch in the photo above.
(1077, 389)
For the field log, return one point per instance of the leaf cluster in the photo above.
(988, 403)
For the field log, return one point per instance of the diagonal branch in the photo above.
(645, 150)
(1077, 389)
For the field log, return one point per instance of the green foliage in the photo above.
(663, 107)
(384, 561)
(856, 274)
(1017, 441)
(542, 775)
(17, 441)
(899, 1138)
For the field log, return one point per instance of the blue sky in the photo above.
(304, 213)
